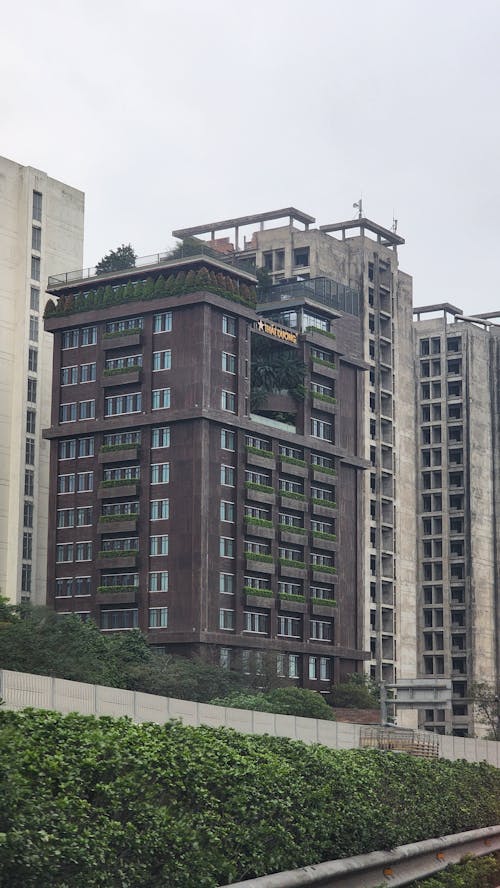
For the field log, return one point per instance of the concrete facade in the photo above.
(41, 230)
(457, 455)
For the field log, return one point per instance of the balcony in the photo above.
(117, 523)
(122, 340)
(290, 534)
(255, 528)
(260, 493)
(324, 540)
(324, 368)
(323, 507)
(119, 489)
(323, 403)
(117, 559)
(289, 466)
(290, 568)
(323, 474)
(118, 453)
(294, 603)
(261, 563)
(124, 377)
(117, 595)
(258, 597)
(289, 500)
(323, 607)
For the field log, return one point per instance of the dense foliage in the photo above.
(482, 872)
(116, 260)
(88, 802)
(287, 701)
(357, 692)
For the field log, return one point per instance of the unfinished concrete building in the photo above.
(457, 371)
(361, 256)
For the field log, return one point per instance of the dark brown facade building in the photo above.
(206, 468)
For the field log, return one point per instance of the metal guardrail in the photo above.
(320, 289)
(399, 867)
(181, 252)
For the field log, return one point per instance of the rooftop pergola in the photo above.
(289, 213)
(384, 236)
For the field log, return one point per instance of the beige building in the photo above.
(457, 370)
(359, 259)
(41, 233)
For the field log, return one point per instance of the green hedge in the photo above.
(88, 802)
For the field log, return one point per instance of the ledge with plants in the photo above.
(258, 522)
(174, 284)
(325, 568)
(293, 461)
(324, 536)
(119, 371)
(291, 528)
(330, 364)
(329, 504)
(116, 590)
(289, 562)
(127, 516)
(119, 482)
(267, 454)
(261, 593)
(291, 495)
(110, 448)
(325, 469)
(324, 602)
(289, 596)
(118, 334)
(259, 556)
(118, 553)
(328, 398)
(313, 329)
(263, 488)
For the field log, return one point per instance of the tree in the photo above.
(358, 692)
(116, 260)
(486, 700)
(284, 701)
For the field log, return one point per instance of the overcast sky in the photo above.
(170, 113)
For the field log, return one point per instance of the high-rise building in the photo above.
(458, 446)
(41, 230)
(207, 464)
(361, 255)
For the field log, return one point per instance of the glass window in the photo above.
(35, 299)
(162, 322)
(289, 627)
(227, 475)
(70, 339)
(125, 618)
(227, 439)
(30, 422)
(226, 584)
(37, 206)
(27, 544)
(160, 437)
(159, 509)
(88, 335)
(31, 393)
(83, 551)
(120, 404)
(228, 362)
(229, 325)
(28, 515)
(35, 268)
(255, 622)
(125, 326)
(29, 482)
(158, 617)
(66, 483)
(158, 545)
(160, 473)
(29, 451)
(36, 238)
(158, 581)
(83, 586)
(86, 446)
(226, 619)
(87, 372)
(227, 547)
(67, 412)
(321, 630)
(161, 399)
(162, 360)
(85, 481)
(84, 516)
(87, 409)
(227, 511)
(228, 401)
(33, 333)
(32, 359)
(321, 429)
(69, 375)
(64, 553)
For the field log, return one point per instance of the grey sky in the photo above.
(170, 114)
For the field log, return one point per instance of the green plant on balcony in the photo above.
(116, 334)
(118, 482)
(109, 448)
(312, 329)
(326, 469)
(259, 556)
(329, 504)
(330, 364)
(290, 562)
(126, 516)
(263, 593)
(267, 454)
(322, 535)
(325, 568)
(118, 553)
(290, 596)
(293, 461)
(291, 528)
(116, 590)
(258, 522)
(117, 371)
(328, 398)
(328, 602)
(264, 488)
(292, 495)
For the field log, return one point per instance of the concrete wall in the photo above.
(20, 690)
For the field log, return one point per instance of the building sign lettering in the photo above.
(273, 329)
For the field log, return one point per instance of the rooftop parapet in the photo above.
(321, 289)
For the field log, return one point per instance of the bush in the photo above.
(88, 802)
(285, 701)
(359, 692)
(482, 872)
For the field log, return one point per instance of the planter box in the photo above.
(324, 406)
(117, 526)
(296, 572)
(323, 610)
(323, 370)
(297, 607)
(134, 377)
(257, 530)
(113, 456)
(288, 536)
(116, 597)
(320, 543)
(116, 492)
(265, 567)
(264, 462)
(325, 477)
(321, 577)
(326, 511)
(258, 601)
(289, 468)
(121, 341)
(260, 496)
(288, 502)
(126, 561)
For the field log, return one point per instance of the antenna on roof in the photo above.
(394, 223)
(359, 206)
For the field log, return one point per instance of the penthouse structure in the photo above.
(207, 462)
(41, 231)
(457, 363)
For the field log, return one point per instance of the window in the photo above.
(120, 544)
(289, 627)
(327, 494)
(301, 257)
(227, 475)
(84, 516)
(227, 439)
(226, 619)
(69, 375)
(113, 580)
(291, 452)
(226, 547)
(160, 437)
(70, 339)
(162, 323)
(87, 372)
(67, 449)
(122, 439)
(125, 326)
(228, 401)
(293, 665)
(229, 325)
(85, 447)
(158, 545)
(83, 551)
(65, 518)
(37, 206)
(323, 560)
(123, 363)
(29, 482)
(158, 581)
(29, 452)
(67, 412)
(227, 511)
(26, 578)
(35, 268)
(85, 481)
(33, 334)
(256, 582)
(313, 668)
(159, 509)
(32, 360)
(88, 335)
(120, 404)
(124, 473)
(228, 362)
(321, 630)
(87, 409)
(255, 622)
(31, 393)
(66, 483)
(158, 617)
(289, 588)
(64, 553)
(160, 399)
(322, 592)
(125, 618)
(290, 520)
(263, 478)
(289, 554)
(30, 422)
(124, 509)
(28, 515)
(36, 238)
(64, 587)
(321, 429)
(258, 443)
(287, 486)
(162, 360)
(27, 544)
(34, 299)
(83, 586)
(224, 658)
(160, 473)
(226, 584)
(257, 548)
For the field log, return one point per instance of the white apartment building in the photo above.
(41, 232)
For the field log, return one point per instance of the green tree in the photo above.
(486, 700)
(358, 692)
(116, 260)
(285, 701)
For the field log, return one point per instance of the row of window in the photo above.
(66, 553)
(80, 482)
(71, 448)
(287, 665)
(287, 627)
